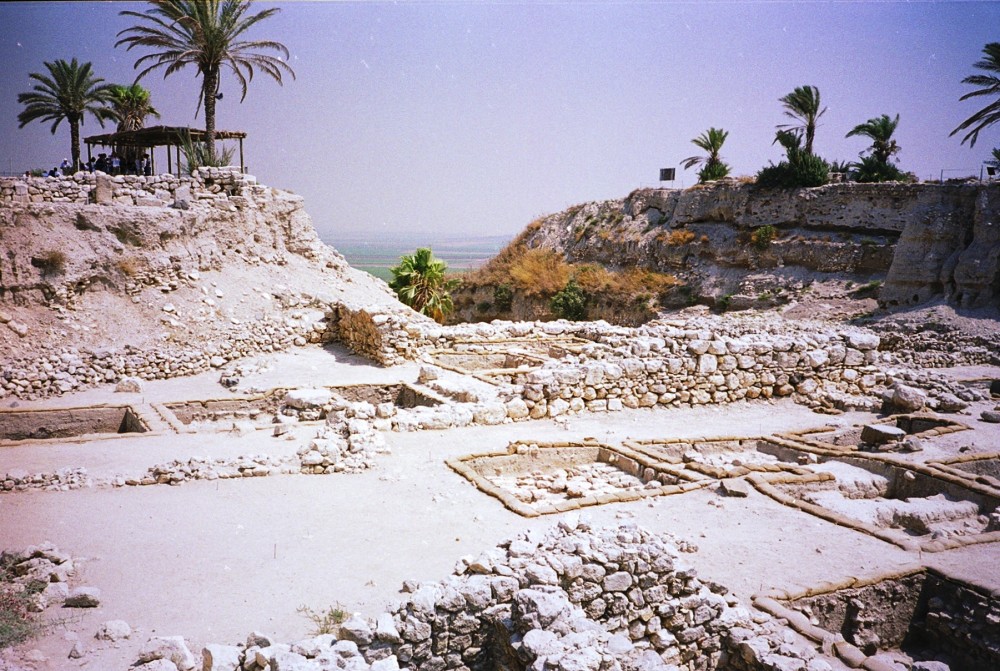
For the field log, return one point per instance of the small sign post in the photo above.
(667, 174)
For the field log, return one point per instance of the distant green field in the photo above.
(378, 256)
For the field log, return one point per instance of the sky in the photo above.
(456, 118)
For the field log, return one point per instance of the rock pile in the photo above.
(203, 468)
(574, 598)
(572, 482)
(64, 479)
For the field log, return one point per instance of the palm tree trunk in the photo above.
(74, 138)
(211, 88)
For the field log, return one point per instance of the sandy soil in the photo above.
(212, 561)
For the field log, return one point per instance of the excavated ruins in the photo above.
(738, 492)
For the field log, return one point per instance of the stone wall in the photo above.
(961, 621)
(574, 599)
(661, 363)
(379, 333)
(73, 368)
(154, 190)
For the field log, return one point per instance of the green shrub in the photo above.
(324, 621)
(868, 169)
(503, 297)
(723, 302)
(570, 303)
(17, 624)
(800, 170)
(712, 171)
(763, 237)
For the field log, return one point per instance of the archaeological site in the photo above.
(224, 448)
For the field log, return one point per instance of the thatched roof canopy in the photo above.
(159, 136)
(162, 136)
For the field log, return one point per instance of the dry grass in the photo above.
(127, 266)
(676, 238)
(50, 261)
(598, 279)
(540, 272)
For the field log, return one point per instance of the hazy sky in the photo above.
(473, 118)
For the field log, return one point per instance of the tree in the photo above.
(209, 35)
(420, 282)
(803, 105)
(712, 165)
(130, 106)
(876, 166)
(990, 86)
(879, 130)
(69, 91)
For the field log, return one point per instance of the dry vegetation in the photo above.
(543, 272)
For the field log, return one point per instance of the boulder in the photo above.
(907, 399)
(880, 434)
(113, 630)
(171, 648)
(221, 658)
(83, 597)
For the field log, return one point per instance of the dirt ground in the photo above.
(214, 560)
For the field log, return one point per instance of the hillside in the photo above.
(732, 245)
(158, 276)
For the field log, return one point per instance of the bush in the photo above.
(868, 169)
(51, 261)
(324, 621)
(713, 171)
(679, 237)
(763, 237)
(570, 303)
(801, 170)
(17, 624)
(540, 272)
(503, 297)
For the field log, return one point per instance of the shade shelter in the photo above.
(171, 137)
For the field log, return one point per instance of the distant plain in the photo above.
(378, 256)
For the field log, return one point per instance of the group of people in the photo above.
(112, 165)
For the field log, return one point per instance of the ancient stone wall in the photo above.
(667, 364)
(380, 333)
(573, 598)
(959, 620)
(154, 190)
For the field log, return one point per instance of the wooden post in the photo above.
(242, 167)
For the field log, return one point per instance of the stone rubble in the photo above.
(574, 598)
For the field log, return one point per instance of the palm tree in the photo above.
(712, 166)
(990, 84)
(419, 281)
(803, 105)
(130, 105)
(879, 130)
(69, 91)
(209, 35)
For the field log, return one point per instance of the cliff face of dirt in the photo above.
(191, 267)
(735, 245)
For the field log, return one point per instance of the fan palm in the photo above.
(209, 35)
(420, 282)
(130, 105)
(990, 86)
(879, 130)
(712, 165)
(69, 91)
(803, 105)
